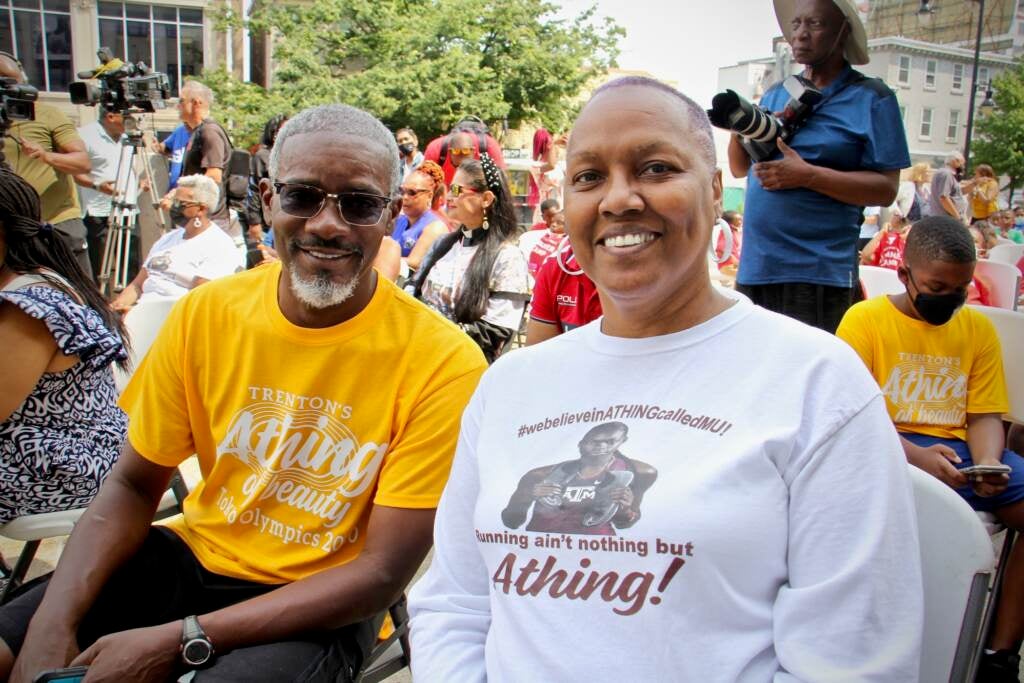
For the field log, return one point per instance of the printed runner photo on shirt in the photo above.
(594, 494)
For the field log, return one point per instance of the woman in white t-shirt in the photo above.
(690, 488)
(188, 256)
(476, 276)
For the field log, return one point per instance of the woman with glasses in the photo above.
(188, 256)
(60, 427)
(476, 276)
(419, 224)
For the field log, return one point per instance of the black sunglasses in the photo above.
(357, 208)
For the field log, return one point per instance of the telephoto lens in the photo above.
(732, 112)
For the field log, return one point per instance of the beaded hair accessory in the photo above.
(492, 174)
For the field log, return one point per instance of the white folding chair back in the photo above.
(143, 322)
(1004, 281)
(877, 281)
(1010, 328)
(1006, 252)
(956, 564)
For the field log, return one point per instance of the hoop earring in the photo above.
(196, 222)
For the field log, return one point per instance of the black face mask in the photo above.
(406, 149)
(959, 174)
(937, 309)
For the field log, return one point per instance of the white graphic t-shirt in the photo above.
(671, 514)
(509, 284)
(173, 259)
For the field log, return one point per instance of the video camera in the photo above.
(18, 101)
(759, 128)
(123, 87)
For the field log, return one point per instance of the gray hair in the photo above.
(204, 189)
(954, 156)
(202, 91)
(340, 119)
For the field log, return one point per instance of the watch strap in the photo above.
(191, 630)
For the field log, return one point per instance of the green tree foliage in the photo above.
(422, 63)
(1000, 140)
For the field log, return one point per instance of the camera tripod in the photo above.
(124, 212)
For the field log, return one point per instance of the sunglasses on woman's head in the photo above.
(455, 190)
(356, 208)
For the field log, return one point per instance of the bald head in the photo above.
(693, 114)
(10, 68)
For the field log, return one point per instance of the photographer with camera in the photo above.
(102, 140)
(47, 152)
(803, 206)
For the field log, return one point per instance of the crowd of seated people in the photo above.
(318, 500)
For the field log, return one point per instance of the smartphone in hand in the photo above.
(985, 469)
(73, 674)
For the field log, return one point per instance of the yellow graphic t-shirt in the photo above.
(931, 376)
(298, 431)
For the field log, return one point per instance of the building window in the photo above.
(169, 39)
(38, 32)
(926, 123)
(903, 76)
(958, 77)
(930, 67)
(982, 75)
(953, 129)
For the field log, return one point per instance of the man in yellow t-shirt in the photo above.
(940, 368)
(47, 152)
(323, 404)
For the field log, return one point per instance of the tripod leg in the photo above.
(108, 253)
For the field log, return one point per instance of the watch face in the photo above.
(196, 652)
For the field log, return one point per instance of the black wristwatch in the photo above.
(196, 648)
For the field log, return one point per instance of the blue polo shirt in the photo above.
(802, 236)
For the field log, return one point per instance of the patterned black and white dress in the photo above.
(59, 444)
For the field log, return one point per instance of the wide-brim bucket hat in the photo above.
(856, 48)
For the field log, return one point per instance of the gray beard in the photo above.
(320, 292)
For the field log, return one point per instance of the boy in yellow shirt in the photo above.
(940, 369)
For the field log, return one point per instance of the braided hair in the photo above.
(471, 302)
(34, 247)
(436, 174)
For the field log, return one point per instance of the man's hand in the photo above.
(106, 187)
(785, 174)
(53, 650)
(141, 654)
(34, 151)
(938, 460)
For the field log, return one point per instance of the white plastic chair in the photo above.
(956, 564)
(1004, 281)
(1010, 328)
(877, 281)
(143, 323)
(1007, 252)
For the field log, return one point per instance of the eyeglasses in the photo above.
(180, 204)
(306, 201)
(455, 190)
(462, 151)
(409, 192)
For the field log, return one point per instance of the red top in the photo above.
(545, 247)
(889, 252)
(433, 153)
(567, 301)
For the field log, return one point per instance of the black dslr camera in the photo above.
(760, 129)
(122, 87)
